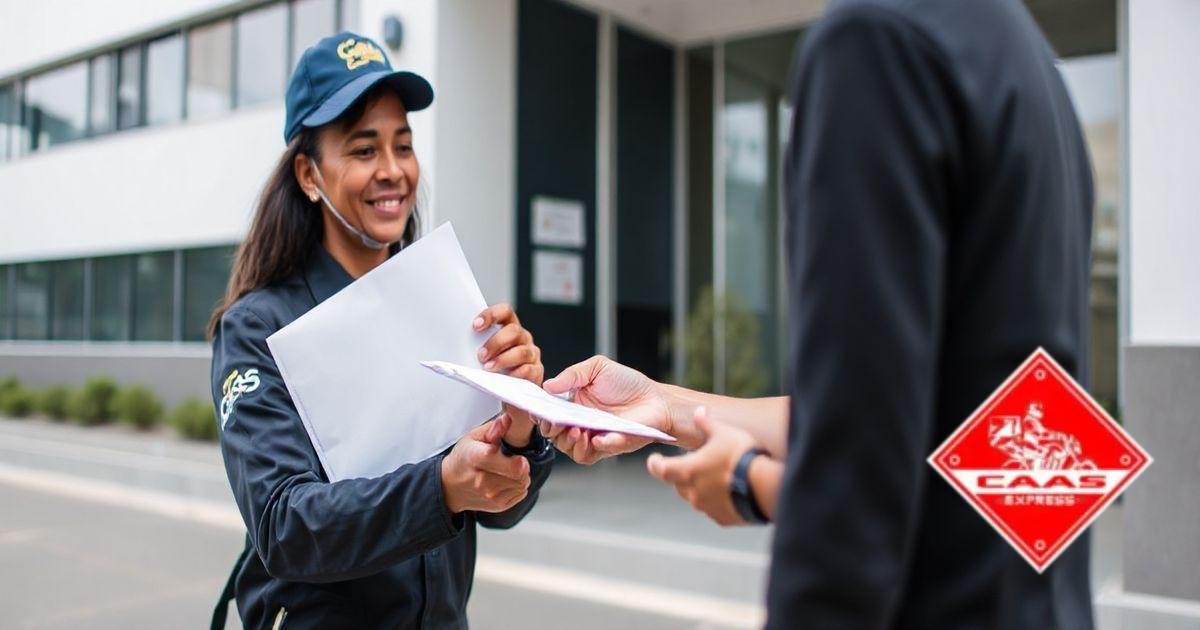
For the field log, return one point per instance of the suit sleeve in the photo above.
(304, 528)
(867, 172)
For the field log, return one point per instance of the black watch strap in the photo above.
(538, 446)
(740, 492)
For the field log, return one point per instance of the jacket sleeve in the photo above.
(541, 459)
(304, 528)
(867, 178)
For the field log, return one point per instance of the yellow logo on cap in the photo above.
(358, 54)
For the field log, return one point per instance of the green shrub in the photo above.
(137, 406)
(194, 419)
(93, 404)
(16, 401)
(54, 402)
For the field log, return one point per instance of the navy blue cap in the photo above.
(335, 72)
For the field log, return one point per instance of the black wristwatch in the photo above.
(739, 489)
(537, 447)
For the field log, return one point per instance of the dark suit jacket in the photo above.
(939, 202)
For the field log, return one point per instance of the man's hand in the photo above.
(476, 476)
(511, 350)
(602, 383)
(703, 476)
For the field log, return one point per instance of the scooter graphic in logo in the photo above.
(1031, 446)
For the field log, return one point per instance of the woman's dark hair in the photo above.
(287, 226)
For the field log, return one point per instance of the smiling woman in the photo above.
(397, 550)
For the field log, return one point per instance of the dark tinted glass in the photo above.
(112, 295)
(32, 295)
(154, 297)
(205, 274)
(66, 299)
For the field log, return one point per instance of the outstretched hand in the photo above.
(604, 384)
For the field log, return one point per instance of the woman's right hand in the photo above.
(477, 476)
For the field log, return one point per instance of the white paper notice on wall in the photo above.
(557, 278)
(558, 222)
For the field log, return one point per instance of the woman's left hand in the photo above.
(511, 351)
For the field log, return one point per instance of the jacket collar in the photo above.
(324, 275)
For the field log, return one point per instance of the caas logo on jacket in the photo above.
(1040, 460)
(235, 385)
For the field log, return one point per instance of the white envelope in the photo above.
(537, 401)
(351, 364)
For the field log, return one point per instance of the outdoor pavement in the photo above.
(109, 528)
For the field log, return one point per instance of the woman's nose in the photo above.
(389, 168)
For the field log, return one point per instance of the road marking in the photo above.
(113, 457)
(712, 611)
(642, 544)
(152, 501)
(562, 582)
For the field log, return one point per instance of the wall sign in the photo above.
(557, 278)
(558, 223)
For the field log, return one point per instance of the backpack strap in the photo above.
(222, 608)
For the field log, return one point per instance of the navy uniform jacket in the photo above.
(939, 202)
(358, 553)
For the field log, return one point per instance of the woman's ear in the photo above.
(302, 166)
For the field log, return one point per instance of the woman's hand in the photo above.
(476, 476)
(511, 351)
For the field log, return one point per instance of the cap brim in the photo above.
(414, 91)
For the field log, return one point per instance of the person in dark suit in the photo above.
(939, 199)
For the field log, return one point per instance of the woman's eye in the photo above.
(405, 148)
(363, 151)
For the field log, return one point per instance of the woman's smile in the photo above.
(388, 205)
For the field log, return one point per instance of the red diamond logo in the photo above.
(1040, 460)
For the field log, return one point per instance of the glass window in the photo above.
(261, 55)
(210, 69)
(154, 297)
(66, 299)
(32, 294)
(56, 106)
(205, 274)
(4, 302)
(164, 80)
(112, 295)
(311, 21)
(100, 116)
(129, 87)
(8, 118)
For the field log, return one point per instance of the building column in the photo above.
(1161, 317)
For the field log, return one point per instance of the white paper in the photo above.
(558, 222)
(525, 395)
(351, 363)
(557, 278)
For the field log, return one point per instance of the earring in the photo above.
(312, 198)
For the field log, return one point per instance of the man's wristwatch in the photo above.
(739, 489)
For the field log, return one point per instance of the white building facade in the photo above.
(644, 136)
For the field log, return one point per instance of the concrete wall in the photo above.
(172, 371)
(1161, 361)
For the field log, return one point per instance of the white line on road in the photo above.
(562, 582)
(619, 593)
(642, 544)
(113, 457)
